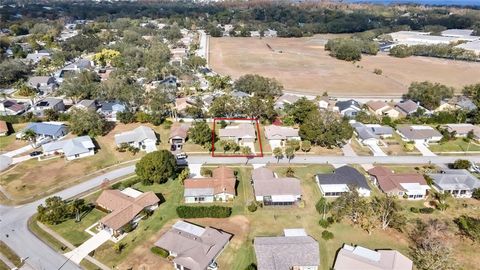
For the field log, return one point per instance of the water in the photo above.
(425, 2)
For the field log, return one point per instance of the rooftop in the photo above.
(139, 134)
(389, 181)
(345, 175)
(243, 130)
(358, 257)
(265, 183)
(273, 132)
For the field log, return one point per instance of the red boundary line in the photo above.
(259, 137)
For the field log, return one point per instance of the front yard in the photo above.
(457, 145)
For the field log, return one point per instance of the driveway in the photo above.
(348, 150)
(376, 150)
(424, 149)
(88, 246)
(16, 160)
(19, 151)
(195, 170)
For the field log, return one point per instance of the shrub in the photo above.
(476, 194)
(324, 223)
(252, 207)
(378, 71)
(326, 235)
(414, 210)
(251, 266)
(426, 210)
(206, 172)
(214, 211)
(469, 226)
(167, 124)
(159, 251)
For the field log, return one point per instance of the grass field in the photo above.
(302, 65)
(457, 145)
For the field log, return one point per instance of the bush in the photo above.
(324, 223)
(251, 266)
(205, 172)
(326, 235)
(167, 124)
(469, 226)
(159, 251)
(476, 194)
(252, 207)
(378, 71)
(426, 210)
(214, 211)
(461, 164)
(414, 210)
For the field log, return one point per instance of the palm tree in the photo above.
(77, 206)
(306, 146)
(31, 136)
(278, 153)
(247, 152)
(289, 153)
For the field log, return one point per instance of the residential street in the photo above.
(13, 220)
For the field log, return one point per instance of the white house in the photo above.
(219, 187)
(459, 183)
(142, 137)
(271, 190)
(419, 134)
(72, 148)
(341, 181)
(277, 136)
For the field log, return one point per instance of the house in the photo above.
(459, 183)
(341, 181)
(241, 133)
(239, 95)
(270, 33)
(357, 257)
(124, 208)
(12, 107)
(286, 99)
(369, 134)
(4, 130)
(109, 109)
(178, 134)
(407, 107)
(416, 133)
(72, 148)
(255, 33)
(45, 130)
(55, 104)
(277, 136)
(462, 130)
(36, 57)
(142, 137)
(181, 104)
(457, 103)
(75, 67)
(43, 84)
(272, 190)
(324, 102)
(411, 186)
(446, 106)
(219, 187)
(294, 250)
(348, 108)
(381, 108)
(193, 247)
(86, 104)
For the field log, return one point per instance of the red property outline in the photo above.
(259, 138)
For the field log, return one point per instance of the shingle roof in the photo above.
(389, 181)
(342, 105)
(71, 147)
(242, 130)
(273, 132)
(349, 258)
(13, 105)
(196, 247)
(45, 128)
(418, 132)
(377, 104)
(371, 131)
(222, 180)
(463, 129)
(344, 175)
(455, 179)
(139, 134)
(179, 131)
(265, 184)
(407, 107)
(284, 253)
(123, 207)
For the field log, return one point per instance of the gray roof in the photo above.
(239, 94)
(139, 134)
(243, 130)
(464, 103)
(371, 131)
(343, 105)
(109, 106)
(265, 184)
(36, 80)
(87, 103)
(288, 98)
(344, 175)
(285, 252)
(71, 147)
(79, 64)
(350, 257)
(455, 180)
(47, 129)
(196, 247)
(49, 102)
(407, 106)
(413, 132)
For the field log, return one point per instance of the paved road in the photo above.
(13, 220)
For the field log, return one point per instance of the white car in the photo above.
(182, 155)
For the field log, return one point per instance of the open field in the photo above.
(302, 65)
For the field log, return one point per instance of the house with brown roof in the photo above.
(417, 133)
(178, 134)
(407, 107)
(277, 136)
(193, 247)
(382, 108)
(12, 107)
(3, 128)
(219, 187)
(357, 257)
(411, 186)
(241, 133)
(272, 190)
(124, 208)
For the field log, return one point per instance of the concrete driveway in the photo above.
(195, 170)
(88, 246)
(376, 150)
(19, 151)
(348, 150)
(424, 149)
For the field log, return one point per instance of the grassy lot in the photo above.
(44, 236)
(9, 143)
(10, 254)
(396, 147)
(74, 232)
(360, 149)
(457, 145)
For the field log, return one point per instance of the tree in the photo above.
(300, 109)
(290, 172)
(306, 146)
(80, 86)
(346, 49)
(323, 207)
(86, 122)
(54, 211)
(12, 71)
(258, 85)
(76, 207)
(200, 133)
(156, 58)
(431, 249)
(218, 82)
(428, 94)
(476, 194)
(462, 164)
(156, 167)
(184, 174)
(257, 107)
(469, 226)
(224, 106)
(194, 62)
(441, 198)
(106, 57)
(473, 92)
(387, 208)
(30, 136)
(278, 153)
(325, 129)
(289, 153)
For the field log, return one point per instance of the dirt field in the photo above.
(302, 65)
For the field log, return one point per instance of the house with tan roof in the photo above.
(382, 108)
(411, 186)
(241, 133)
(178, 134)
(286, 99)
(124, 208)
(462, 130)
(193, 247)
(142, 137)
(219, 187)
(277, 136)
(357, 257)
(272, 190)
(417, 133)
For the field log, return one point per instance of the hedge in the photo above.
(214, 211)
(159, 251)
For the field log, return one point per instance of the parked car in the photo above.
(35, 153)
(173, 147)
(181, 155)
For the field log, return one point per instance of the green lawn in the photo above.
(10, 254)
(74, 232)
(457, 145)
